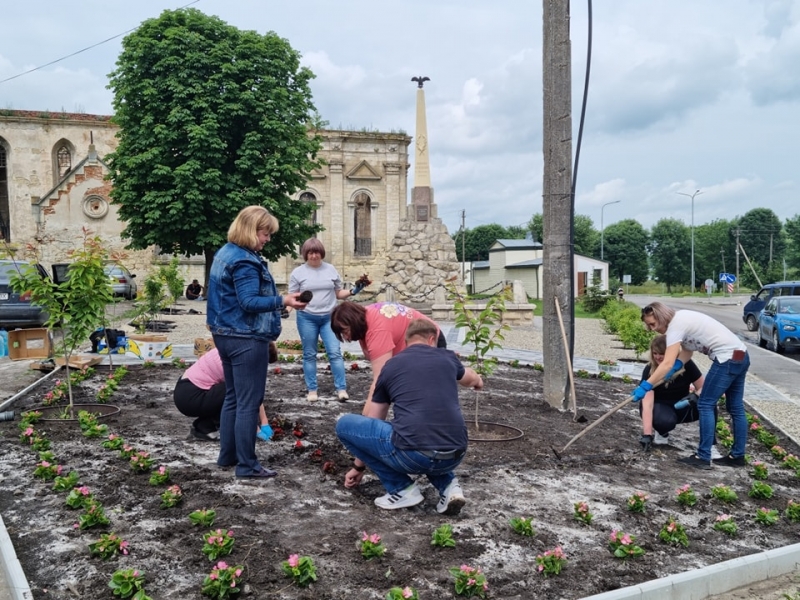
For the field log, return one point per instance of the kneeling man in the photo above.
(427, 436)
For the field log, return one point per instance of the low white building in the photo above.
(522, 260)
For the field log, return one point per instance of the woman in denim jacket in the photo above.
(244, 317)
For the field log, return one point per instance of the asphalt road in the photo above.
(780, 371)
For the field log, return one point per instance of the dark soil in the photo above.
(306, 510)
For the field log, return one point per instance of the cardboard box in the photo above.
(79, 361)
(147, 337)
(24, 344)
(149, 350)
(203, 345)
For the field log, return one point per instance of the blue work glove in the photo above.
(357, 288)
(264, 433)
(684, 402)
(640, 391)
(675, 368)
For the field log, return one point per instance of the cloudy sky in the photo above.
(684, 95)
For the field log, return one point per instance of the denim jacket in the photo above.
(242, 299)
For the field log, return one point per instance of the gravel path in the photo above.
(591, 340)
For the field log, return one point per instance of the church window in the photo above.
(362, 225)
(312, 199)
(5, 225)
(64, 161)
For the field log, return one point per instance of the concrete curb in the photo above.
(713, 579)
(13, 583)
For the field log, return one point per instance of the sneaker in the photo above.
(715, 454)
(730, 461)
(451, 502)
(660, 440)
(212, 436)
(696, 462)
(312, 396)
(343, 395)
(411, 496)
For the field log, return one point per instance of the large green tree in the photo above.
(212, 119)
(761, 235)
(714, 250)
(792, 228)
(625, 248)
(477, 241)
(587, 238)
(670, 252)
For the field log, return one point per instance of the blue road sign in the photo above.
(730, 278)
(723, 276)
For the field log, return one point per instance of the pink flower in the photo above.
(375, 538)
(470, 581)
(626, 539)
(407, 593)
(59, 469)
(238, 572)
(233, 584)
(614, 536)
(222, 565)
(213, 575)
(29, 431)
(541, 568)
(136, 573)
(485, 585)
(162, 470)
(294, 560)
(364, 536)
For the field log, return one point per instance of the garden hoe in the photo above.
(596, 423)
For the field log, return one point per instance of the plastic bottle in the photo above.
(3, 342)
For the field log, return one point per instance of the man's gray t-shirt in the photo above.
(323, 281)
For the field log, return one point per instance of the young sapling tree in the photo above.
(485, 330)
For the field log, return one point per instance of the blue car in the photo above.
(779, 324)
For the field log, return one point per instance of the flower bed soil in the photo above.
(306, 510)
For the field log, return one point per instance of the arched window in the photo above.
(63, 161)
(312, 199)
(362, 225)
(5, 223)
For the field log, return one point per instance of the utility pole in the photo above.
(737, 260)
(557, 202)
(463, 236)
(697, 193)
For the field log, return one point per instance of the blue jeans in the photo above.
(311, 328)
(244, 362)
(370, 440)
(723, 378)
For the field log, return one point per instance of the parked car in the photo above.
(765, 294)
(122, 282)
(16, 309)
(779, 324)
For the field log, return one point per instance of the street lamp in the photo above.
(601, 225)
(696, 193)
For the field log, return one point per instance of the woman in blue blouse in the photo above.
(244, 316)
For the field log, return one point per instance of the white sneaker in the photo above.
(411, 496)
(312, 396)
(715, 454)
(660, 440)
(343, 396)
(451, 502)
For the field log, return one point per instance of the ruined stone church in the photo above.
(53, 184)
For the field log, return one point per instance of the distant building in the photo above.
(522, 260)
(52, 184)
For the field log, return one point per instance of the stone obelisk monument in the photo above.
(423, 255)
(422, 192)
